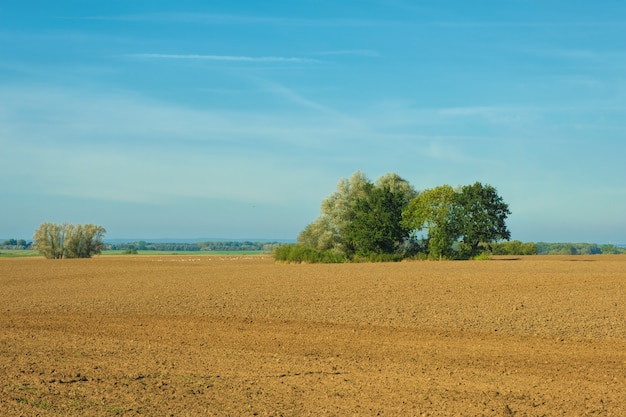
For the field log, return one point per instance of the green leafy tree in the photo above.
(529, 248)
(515, 247)
(376, 226)
(320, 234)
(49, 240)
(475, 214)
(611, 249)
(327, 232)
(340, 207)
(482, 216)
(84, 241)
(398, 186)
(435, 211)
(340, 227)
(56, 241)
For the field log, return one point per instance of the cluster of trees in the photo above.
(544, 248)
(389, 220)
(222, 246)
(57, 241)
(514, 247)
(15, 244)
(517, 247)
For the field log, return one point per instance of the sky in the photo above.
(235, 119)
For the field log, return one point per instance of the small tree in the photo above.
(56, 241)
(482, 217)
(340, 208)
(474, 214)
(376, 228)
(84, 241)
(49, 240)
(436, 211)
(320, 234)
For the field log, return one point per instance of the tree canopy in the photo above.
(472, 215)
(483, 214)
(361, 217)
(57, 241)
(386, 218)
(436, 211)
(376, 226)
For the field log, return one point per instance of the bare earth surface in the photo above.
(243, 336)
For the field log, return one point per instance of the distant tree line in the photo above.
(15, 244)
(219, 246)
(517, 247)
(544, 248)
(514, 247)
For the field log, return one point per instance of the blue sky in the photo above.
(184, 119)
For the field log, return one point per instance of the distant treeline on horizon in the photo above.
(217, 246)
(514, 247)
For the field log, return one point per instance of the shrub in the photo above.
(332, 256)
(300, 253)
(379, 257)
(483, 256)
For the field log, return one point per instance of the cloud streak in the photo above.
(237, 19)
(351, 52)
(471, 24)
(226, 58)
(94, 131)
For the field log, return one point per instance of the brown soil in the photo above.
(243, 336)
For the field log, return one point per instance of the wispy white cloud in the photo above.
(470, 24)
(243, 19)
(228, 58)
(402, 114)
(121, 146)
(576, 54)
(128, 148)
(291, 95)
(491, 114)
(237, 19)
(353, 52)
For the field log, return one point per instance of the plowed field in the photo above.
(243, 336)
